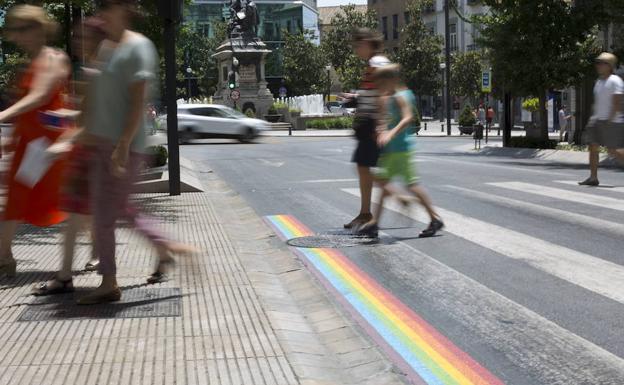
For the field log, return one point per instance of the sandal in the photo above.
(55, 286)
(92, 265)
(160, 275)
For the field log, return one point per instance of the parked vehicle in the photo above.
(199, 121)
(338, 108)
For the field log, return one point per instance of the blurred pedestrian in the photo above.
(606, 125)
(367, 45)
(33, 181)
(482, 114)
(490, 117)
(564, 123)
(115, 120)
(395, 161)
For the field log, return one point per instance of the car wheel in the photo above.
(185, 135)
(248, 136)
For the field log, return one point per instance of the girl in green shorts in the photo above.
(398, 104)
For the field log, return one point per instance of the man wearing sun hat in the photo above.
(606, 125)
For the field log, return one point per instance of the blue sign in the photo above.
(283, 92)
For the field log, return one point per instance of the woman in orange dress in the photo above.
(41, 86)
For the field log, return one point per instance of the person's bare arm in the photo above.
(618, 99)
(45, 81)
(133, 124)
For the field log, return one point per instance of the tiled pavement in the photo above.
(243, 311)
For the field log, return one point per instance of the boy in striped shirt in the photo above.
(367, 44)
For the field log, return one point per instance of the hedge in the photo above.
(330, 124)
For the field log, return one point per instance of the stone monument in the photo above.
(244, 53)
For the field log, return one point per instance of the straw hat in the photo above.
(608, 58)
(31, 14)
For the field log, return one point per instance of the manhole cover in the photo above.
(135, 303)
(331, 241)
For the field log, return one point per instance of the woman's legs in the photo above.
(75, 223)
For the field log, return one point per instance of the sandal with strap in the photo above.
(160, 275)
(55, 286)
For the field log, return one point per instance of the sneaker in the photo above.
(589, 182)
(435, 226)
(368, 230)
(358, 221)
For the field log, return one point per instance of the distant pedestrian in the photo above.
(564, 123)
(481, 112)
(367, 44)
(396, 160)
(33, 188)
(606, 125)
(490, 117)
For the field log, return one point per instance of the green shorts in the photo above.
(397, 165)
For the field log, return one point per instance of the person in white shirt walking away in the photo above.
(606, 126)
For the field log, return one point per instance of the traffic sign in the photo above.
(486, 81)
(235, 95)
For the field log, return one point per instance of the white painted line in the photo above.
(594, 274)
(328, 180)
(483, 164)
(555, 193)
(613, 228)
(598, 188)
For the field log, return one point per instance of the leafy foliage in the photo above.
(537, 45)
(336, 44)
(330, 123)
(467, 118)
(419, 52)
(304, 64)
(8, 74)
(466, 74)
(531, 105)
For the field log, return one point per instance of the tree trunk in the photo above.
(543, 116)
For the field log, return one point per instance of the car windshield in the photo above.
(232, 113)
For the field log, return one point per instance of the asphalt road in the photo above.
(527, 279)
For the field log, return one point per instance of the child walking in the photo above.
(398, 103)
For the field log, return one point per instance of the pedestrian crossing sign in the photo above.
(486, 81)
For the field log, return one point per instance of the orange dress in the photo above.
(37, 205)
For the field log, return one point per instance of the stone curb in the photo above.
(322, 344)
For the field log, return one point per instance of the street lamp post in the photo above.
(447, 51)
(189, 72)
(443, 67)
(328, 69)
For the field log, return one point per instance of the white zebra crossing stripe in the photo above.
(572, 196)
(601, 187)
(478, 165)
(613, 228)
(594, 274)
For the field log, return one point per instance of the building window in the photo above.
(406, 16)
(453, 35)
(384, 27)
(431, 27)
(289, 26)
(395, 26)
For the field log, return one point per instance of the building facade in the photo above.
(275, 17)
(327, 14)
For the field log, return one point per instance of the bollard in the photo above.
(442, 130)
(290, 130)
(425, 126)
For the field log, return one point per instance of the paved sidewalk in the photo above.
(243, 311)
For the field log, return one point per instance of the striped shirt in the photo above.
(367, 95)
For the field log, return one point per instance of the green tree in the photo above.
(304, 64)
(539, 45)
(336, 44)
(466, 74)
(419, 52)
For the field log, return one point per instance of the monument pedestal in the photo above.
(251, 54)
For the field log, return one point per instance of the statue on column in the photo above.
(243, 18)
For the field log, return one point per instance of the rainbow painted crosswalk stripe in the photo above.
(426, 356)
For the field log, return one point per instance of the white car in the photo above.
(338, 108)
(198, 121)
